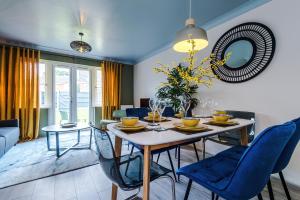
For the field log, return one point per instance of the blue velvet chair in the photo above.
(244, 178)
(143, 112)
(284, 159)
(137, 112)
(169, 112)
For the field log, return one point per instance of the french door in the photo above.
(71, 94)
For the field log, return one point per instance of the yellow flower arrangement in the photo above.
(193, 74)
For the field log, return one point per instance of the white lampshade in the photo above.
(190, 32)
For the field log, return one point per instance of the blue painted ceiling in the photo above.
(125, 30)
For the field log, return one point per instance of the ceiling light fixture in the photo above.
(190, 37)
(80, 46)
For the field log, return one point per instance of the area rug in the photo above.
(31, 160)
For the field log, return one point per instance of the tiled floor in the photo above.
(91, 184)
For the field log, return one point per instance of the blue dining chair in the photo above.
(169, 112)
(244, 178)
(283, 161)
(143, 112)
(137, 112)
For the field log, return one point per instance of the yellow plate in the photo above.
(197, 128)
(230, 122)
(155, 119)
(137, 127)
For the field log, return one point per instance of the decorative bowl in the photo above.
(68, 125)
(220, 112)
(129, 121)
(190, 121)
(221, 118)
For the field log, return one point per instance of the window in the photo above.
(43, 85)
(97, 99)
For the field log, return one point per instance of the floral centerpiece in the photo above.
(184, 79)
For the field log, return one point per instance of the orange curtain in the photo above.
(19, 89)
(111, 88)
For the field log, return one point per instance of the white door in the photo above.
(83, 94)
(72, 95)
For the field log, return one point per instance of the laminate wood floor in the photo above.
(91, 184)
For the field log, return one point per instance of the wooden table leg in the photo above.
(146, 176)
(244, 136)
(118, 149)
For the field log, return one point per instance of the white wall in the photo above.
(274, 94)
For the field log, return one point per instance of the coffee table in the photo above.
(57, 130)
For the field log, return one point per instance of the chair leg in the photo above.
(178, 162)
(158, 156)
(259, 196)
(176, 152)
(172, 185)
(188, 189)
(134, 196)
(203, 150)
(212, 196)
(131, 152)
(271, 194)
(286, 190)
(217, 197)
(196, 152)
(172, 166)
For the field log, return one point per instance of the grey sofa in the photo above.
(9, 135)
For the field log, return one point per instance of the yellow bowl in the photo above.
(129, 121)
(221, 118)
(220, 112)
(150, 115)
(190, 121)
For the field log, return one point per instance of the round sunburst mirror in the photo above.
(252, 47)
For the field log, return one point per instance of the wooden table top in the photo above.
(156, 138)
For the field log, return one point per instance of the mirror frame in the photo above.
(263, 42)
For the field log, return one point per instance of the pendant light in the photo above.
(80, 46)
(190, 38)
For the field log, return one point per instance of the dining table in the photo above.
(151, 140)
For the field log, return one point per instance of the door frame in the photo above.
(73, 86)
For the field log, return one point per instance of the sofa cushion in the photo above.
(11, 135)
(9, 123)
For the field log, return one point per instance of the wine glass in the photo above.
(160, 109)
(185, 105)
(153, 106)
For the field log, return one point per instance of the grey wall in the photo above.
(127, 85)
(69, 59)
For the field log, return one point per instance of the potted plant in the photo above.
(184, 79)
